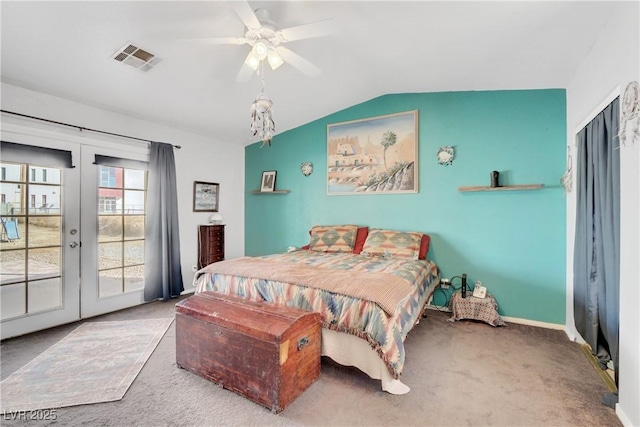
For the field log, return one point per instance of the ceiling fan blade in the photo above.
(210, 41)
(244, 11)
(306, 31)
(245, 73)
(298, 62)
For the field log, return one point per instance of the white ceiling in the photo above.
(65, 49)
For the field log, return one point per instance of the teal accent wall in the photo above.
(513, 241)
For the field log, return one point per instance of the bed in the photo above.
(370, 286)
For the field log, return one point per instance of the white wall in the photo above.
(200, 159)
(612, 63)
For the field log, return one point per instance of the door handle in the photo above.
(73, 245)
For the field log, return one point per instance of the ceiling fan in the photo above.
(266, 40)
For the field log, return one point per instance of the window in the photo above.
(4, 173)
(44, 200)
(107, 205)
(3, 198)
(33, 200)
(108, 176)
(44, 175)
(33, 175)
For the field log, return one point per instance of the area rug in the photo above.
(96, 362)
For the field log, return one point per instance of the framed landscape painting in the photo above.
(378, 155)
(205, 196)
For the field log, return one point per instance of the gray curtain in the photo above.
(163, 273)
(596, 269)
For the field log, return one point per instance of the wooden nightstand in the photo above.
(210, 244)
(483, 309)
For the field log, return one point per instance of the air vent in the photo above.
(132, 55)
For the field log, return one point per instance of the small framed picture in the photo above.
(205, 196)
(268, 182)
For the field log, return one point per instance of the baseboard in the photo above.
(537, 323)
(593, 360)
(626, 422)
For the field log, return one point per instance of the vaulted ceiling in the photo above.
(66, 49)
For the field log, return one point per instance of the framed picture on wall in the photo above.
(268, 182)
(377, 155)
(205, 196)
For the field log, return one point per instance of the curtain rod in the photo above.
(82, 128)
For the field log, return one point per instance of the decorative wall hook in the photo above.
(445, 155)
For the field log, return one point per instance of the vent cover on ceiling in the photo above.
(132, 55)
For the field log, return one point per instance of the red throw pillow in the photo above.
(361, 237)
(424, 246)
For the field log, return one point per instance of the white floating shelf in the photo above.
(502, 188)
(270, 192)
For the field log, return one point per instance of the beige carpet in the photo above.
(461, 374)
(96, 362)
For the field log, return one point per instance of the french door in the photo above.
(40, 241)
(113, 220)
(71, 238)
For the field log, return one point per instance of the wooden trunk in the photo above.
(264, 352)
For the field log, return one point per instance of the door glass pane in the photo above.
(109, 228)
(13, 233)
(121, 209)
(44, 175)
(12, 201)
(31, 239)
(45, 294)
(12, 172)
(134, 278)
(44, 263)
(134, 252)
(134, 227)
(134, 179)
(110, 255)
(110, 282)
(109, 201)
(134, 202)
(13, 299)
(45, 199)
(44, 231)
(110, 177)
(12, 266)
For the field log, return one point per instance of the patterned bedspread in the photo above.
(343, 313)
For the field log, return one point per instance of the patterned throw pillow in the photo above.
(392, 244)
(333, 238)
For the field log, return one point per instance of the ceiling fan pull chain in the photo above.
(261, 72)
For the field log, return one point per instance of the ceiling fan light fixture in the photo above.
(274, 59)
(260, 49)
(252, 60)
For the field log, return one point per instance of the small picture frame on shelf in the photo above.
(268, 182)
(205, 196)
